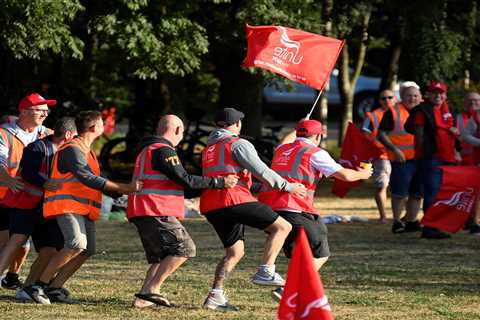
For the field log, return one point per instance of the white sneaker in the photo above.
(265, 278)
(218, 302)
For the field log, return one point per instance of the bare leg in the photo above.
(68, 270)
(140, 303)
(319, 262)
(4, 235)
(39, 265)
(278, 232)
(57, 262)
(413, 207)
(398, 206)
(232, 256)
(19, 259)
(381, 201)
(10, 252)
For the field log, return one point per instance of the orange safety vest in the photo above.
(292, 162)
(375, 118)
(217, 161)
(160, 196)
(30, 196)
(15, 151)
(73, 196)
(398, 136)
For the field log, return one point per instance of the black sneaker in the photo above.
(398, 227)
(60, 295)
(277, 293)
(475, 229)
(36, 293)
(11, 281)
(413, 226)
(432, 233)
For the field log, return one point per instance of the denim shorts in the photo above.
(406, 179)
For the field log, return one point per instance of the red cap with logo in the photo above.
(34, 99)
(437, 85)
(309, 128)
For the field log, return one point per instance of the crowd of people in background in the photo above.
(51, 189)
(419, 136)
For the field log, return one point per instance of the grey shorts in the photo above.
(78, 232)
(162, 237)
(381, 173)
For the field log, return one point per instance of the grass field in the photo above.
(372, 274)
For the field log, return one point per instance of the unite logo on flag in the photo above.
(284, 55)
(320, 303)
(462, 200)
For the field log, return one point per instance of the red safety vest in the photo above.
(217, 161)
(292, 162)
(160, 196)
(73, 196)
(398, 136)
(375, 118)
(31, 195)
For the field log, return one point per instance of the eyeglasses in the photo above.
(387, 98)
(44, 111)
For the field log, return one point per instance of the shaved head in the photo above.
(171, 128)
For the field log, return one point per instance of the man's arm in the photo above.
(5, 179)
(167, 162)
(468, 135)
(385, 140)
(31, 163)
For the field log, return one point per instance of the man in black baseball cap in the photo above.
(228, 116)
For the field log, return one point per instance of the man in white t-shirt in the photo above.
(302, 161)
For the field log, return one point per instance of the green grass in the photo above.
(372, 274)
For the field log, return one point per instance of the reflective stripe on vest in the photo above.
(398, 136)
(72, 197)
(160, 196)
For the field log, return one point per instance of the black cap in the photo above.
(228, 116)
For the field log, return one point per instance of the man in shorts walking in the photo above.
(155, 209)
(302, 161)
(229, 210)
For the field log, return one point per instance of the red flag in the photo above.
(356, 148)
(295, 54)
(455, 200)
(303, 296)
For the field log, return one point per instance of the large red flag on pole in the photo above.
(356, 148)
(455, 200)
(303, 296)
(295, 54)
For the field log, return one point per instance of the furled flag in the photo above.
(303, 296)
(455, 200)
(295, 54)
(357, 147)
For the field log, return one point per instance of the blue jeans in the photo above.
(432, 179)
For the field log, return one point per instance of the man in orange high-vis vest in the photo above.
(405, 183)
(381, 166)
(302, 161)
(155, 209)
(26, 218)
(14, 137)
(75, 205)
(229, 210)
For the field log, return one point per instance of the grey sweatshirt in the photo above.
(469, 134)
(245, 154)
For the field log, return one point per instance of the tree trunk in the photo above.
(347, 83)
(469, 40)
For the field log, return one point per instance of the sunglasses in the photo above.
(387, 98)
(44, 111)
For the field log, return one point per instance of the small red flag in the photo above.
(455, 200)
(295, 54)
(303, 296)
(357, 147)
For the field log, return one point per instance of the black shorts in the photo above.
(4, 219)
(315, 229)
(229, 222)
(162, 237)
(47, 233)
(23, 221)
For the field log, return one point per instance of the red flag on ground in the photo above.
(356, 148)
(455, 200)
(295, 54)
(303, 296)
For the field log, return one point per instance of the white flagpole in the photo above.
(314, 104)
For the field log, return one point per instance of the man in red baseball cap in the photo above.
(14, 137)
(436, 135)
(302, 161)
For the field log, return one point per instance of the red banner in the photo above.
(303, 296)
(295, 54)
(455, 200)
(356, 148)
